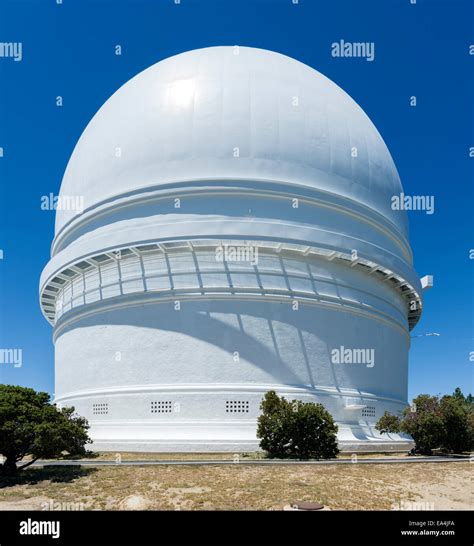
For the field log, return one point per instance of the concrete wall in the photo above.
(213, 147)
(132, 350)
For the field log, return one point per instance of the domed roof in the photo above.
(231, 113)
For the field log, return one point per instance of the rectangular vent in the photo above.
(368, 411)
(237, 406)
(100, 409)
(162, 406)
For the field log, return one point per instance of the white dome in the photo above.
(187, 118)
(229, 149)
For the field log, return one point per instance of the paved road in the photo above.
(157, 462)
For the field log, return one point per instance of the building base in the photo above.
(351, 439)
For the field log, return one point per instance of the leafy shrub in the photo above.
(388, 423)
(457, 434)
(296, 429)
(31, 426)
(445, 423)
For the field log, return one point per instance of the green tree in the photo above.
(31, 426)
(388, 423)
(273, 426)
(424, 423)
(456, 411)
(296, 429)
(314, 433)
(435, 423)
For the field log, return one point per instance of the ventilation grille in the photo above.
(236, 406)
(162, 406)
(100, 409)
(368, 411)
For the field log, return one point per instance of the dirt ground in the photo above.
(431, 486)
(252, 455)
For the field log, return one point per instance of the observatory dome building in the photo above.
(236, 236)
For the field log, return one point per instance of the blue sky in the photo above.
(69, 51)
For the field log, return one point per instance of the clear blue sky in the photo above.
(421, 50)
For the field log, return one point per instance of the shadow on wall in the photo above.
(292, 348)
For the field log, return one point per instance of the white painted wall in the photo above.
(341, 252)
